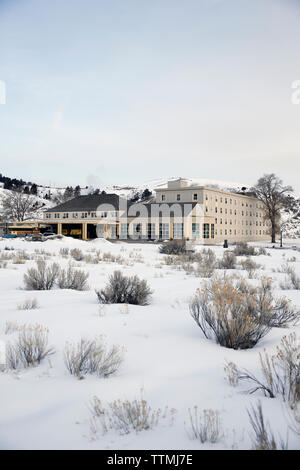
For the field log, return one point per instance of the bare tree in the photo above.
(19, 206)
(275, 197)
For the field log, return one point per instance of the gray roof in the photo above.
(87, 203)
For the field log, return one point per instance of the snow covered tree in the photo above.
(18, 206)
(275, 197)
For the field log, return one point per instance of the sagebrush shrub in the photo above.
(92, 357)
(228, 261)
(71, 278)
(30, 348)
(28, 304)
(243, 249)
(280, 372)
(125, 416)
(77, 254)
(224, 314)
(125, 290)
(263, 437)
(292, 281)
(173, 247)
(205, 427)
(42, 277)
(250, 266)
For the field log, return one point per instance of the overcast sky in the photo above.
(122, 91)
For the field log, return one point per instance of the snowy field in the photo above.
(165, 353)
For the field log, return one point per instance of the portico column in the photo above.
(84, 231)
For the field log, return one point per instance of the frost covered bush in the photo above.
(271, 311)
(77, 254)
(205, 427)
(28, 304)
(173, 247)
(280, 372)
(92, 357)
(225, 315)
(228, 261)
(64, 252)
(250, 266)
(292, 281)
(42, 277)
(30, 348)
(243, 249)
(125, 290)
(262, 436)
(71, 278)
(127, 416)
(206, 263)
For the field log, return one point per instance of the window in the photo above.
(216, 209)
(178, 197)
(195, 196)
(212, 230)
(205, 230)
(163, 197)
(195, 230)
(164, 231)
(178, 231)
(151, 231)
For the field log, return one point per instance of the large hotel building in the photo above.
(199, 213)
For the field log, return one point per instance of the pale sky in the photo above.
(123, 91)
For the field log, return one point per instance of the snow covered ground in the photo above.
(166, 354)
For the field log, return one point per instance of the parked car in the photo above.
(48, 234)
(9, 235)
(37, 238)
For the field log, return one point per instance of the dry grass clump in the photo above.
(231, 373)
(173, 247)
(28, 304)
(127, 416)
(225, 315)
(280, 372)
(228, 261)
(71, 278)
(92, 357)
(125, 290)
(205, 427)
(30, 348)
(262, 436)
(77, 254)
(42, 277)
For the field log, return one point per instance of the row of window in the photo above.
(226, 200)
(264, 223)
(80, 215)
(208, 230)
